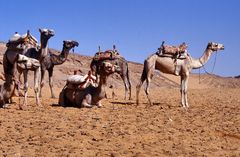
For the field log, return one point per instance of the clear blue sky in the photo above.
(137, 27)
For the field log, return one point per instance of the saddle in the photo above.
(81, 82)
(18, 42)
(173, 51)
(107, 55)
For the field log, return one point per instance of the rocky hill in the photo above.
(76, 62)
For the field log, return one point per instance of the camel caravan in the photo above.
(23, 53)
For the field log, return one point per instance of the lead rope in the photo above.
(214, 64)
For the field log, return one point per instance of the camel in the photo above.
(37, 55)
(179, 67)
(119, 61)
(10, 66)
(91, 95)
(18, 45)
(51, 60)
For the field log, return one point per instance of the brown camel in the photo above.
(19, 45)
(179, 66)
(51, 60)
(113, 57)
(91, 95)
(7, 89)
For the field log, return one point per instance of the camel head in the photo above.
(69, 44)
(107, 68)
(215, 46)
(46, 33)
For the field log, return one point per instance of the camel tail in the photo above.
(143, 78)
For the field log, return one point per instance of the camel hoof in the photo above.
(99, 105)
(87, 106)
(22, 107)
(5, 106)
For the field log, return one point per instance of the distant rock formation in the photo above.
(237, 76)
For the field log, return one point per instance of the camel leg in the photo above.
(148, 81)
(125, 80)
(138, 87)
(42, 81)
(50, 74)
(184, 84)
(37, 85)
(182, 91)
(129, 85)
(88, 98)
(185, 91)
(25, 74)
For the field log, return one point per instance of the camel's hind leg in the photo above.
(138, 91)
(37, 75)
(126, 85)
(42, 81)
(184, 84)
(148, 81)
(50, 74)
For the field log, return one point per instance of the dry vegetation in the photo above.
(211, 127)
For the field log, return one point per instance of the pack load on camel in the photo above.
(22, 42)
(107, 55)
(173, 51)
(81, 82)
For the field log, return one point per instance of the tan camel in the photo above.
(35, 54)
(169, 65)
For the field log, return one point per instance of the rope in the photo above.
(214, 64)
(209, 73)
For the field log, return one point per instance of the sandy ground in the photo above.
(211, 127)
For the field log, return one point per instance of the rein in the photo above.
(209, 73)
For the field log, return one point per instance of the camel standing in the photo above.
(90, 96)
(45, 35)
(51, 60)
(169, 65)
(10, 66)
(123, 69)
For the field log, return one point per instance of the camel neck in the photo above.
(198, 63)
(64, 53)
(44, 47)
(101, 87)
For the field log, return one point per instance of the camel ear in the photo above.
(40, 30)
(114, 47)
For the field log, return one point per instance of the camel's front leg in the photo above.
(37, 76)
(184, 84)
(25, 74)
(86, 102)
(42, 81)
(182, 91)
(185, 91)
(50, 74)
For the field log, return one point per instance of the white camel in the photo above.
(180, 66)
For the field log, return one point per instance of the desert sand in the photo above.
(210, 127)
